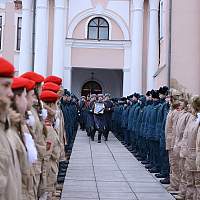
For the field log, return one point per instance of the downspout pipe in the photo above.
(170, 43)
(33, 34)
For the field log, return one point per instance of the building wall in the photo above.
(9, 29)
(97, 58)
(110, 80)
(185, 60)
(185, 70)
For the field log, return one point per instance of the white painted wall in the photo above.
(121, 8)
(78, 6)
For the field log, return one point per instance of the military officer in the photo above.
(8, 177)
(53, 143)
(134, 103)
(90, 117)
(99, 118)
(39, 132)
(108, 115)
(162, 108)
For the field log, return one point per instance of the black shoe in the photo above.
(99, 141)
(88, 134)
(106, 139)
(129, 148)
(165, 181)
(137, 155)
(133, 151)
(160, 176)
(148, 166)
(63, 166)
(153, 170)
(61, 174)
(62, 170)
(139, 158)
(60, 180)
(145, 162)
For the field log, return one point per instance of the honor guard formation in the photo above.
(39, 121)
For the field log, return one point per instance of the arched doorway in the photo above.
(91, 87)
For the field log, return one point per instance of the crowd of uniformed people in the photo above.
(160, 128)
(38, 124)
(39, 121)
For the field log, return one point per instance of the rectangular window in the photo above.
(19, 28)
(1, 31)
(161, 19)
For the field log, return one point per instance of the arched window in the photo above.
(91, 87)
(98, 29)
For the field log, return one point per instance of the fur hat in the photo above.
(196, 103)
(93, 95)
(107, 95)
(148, 93)
(142, 99)
(130, 96)
(137, 95)
(100, 95)
(123, 98)
(163, 90)
(155, 94)
(67, 93)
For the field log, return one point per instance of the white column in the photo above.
(153, 59)
(126, 82)
(67, 78)
(59, 38)
(67, 67)
(126, 70)
(137, 44)
(41, 37)
(25, 57)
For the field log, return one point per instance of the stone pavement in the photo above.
(108, 171)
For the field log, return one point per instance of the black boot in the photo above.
(145, 162)
(160, 175)
(99, 137)
(153, 170)
(165, 180)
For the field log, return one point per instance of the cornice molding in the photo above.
(110, 44)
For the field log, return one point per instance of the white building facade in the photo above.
(115, 46)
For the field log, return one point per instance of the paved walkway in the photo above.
(108, 171)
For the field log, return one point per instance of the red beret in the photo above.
(30, 85)
(54, 79)
(19, 82)
(33, 76)
(49, 96)
(51, 86)
(6, 68)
